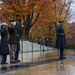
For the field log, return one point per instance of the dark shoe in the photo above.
(12, 62)
(4, 63)
(61, 57)
(18, 60)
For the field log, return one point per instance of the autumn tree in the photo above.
(27, 11)
(40, 13)
(48, 21)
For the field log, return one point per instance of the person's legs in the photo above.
(16, 56)
(17, 51)
(0, 59)
(4, 57)
(61, 53)
(12, 53)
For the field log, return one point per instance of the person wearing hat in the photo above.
(4, 43)
(60, 39)
(12, 40)
(18, 41)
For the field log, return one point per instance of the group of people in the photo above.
(10, 45)
(46, 39)
(60, 39)
(14, 44)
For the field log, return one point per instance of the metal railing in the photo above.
(34, 49)
(39, 51)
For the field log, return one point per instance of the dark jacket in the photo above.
(39, 40)
(60, 38)
(12, 35)
(0, 39)
(46, 41)
(4, 42)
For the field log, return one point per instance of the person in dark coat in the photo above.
(39, 39)
(0, 37)
(18, 41)
(46, 40)
(61, 40)
(4, 44)
(12, 40)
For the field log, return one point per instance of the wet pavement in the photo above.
(49, 64)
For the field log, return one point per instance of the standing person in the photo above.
(46, 40)
(4, 43)
(60, 41)
(0, 35)
(0, 41)
(39, 40)
(12, 40)
(18, 41)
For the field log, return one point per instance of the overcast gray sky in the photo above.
(0, 1)
(72, 9)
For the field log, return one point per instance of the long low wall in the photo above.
(31, 46)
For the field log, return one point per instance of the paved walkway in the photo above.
(49, 64)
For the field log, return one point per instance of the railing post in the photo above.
(40, 51)
(32, 50)
(43, 50)
(22, 49)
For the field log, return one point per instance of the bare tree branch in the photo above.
(35, 19)
(67, 11)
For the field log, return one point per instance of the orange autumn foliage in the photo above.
(40, 14)
(71, 32)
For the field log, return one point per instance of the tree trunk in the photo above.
(26, 34)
